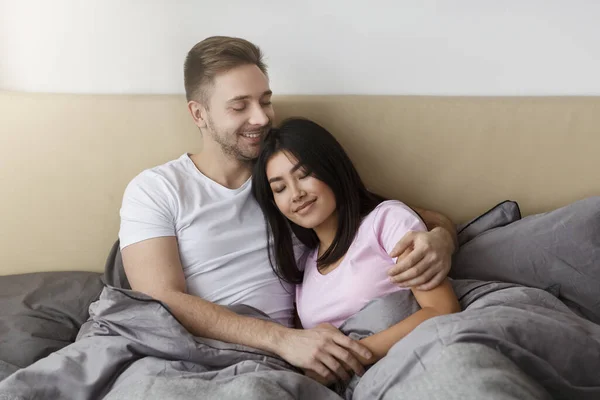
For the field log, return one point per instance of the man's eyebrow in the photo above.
(238, 98)
(247, 96)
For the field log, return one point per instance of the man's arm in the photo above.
(427, 256)
(434, 219)
(153, 267)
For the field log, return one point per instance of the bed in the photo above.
(517, 175)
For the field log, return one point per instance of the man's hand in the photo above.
(424, 259)
(323, 352)
(323, 381)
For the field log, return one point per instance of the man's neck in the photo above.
(221, 168)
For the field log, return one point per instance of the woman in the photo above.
(304, 180)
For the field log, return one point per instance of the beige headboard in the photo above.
(65, 159)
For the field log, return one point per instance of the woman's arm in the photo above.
(438, 301)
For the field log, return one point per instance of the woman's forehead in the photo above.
(282, 160)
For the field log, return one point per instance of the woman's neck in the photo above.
(326, 232)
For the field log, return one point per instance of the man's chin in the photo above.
(248, 156)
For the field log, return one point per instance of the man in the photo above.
(193, 237)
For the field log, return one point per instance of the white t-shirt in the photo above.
(220, 232)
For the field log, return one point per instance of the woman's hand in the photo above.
(424, 259)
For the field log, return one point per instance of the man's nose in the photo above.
(259, 116)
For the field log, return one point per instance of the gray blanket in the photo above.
(133, 348)
(6, 369)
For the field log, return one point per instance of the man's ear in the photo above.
(198, 113)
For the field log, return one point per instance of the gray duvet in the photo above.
(510, 342)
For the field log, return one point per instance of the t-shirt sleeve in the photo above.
(392, 221)
(148, 209)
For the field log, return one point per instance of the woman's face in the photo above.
(302, 198)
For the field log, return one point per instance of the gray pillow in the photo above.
(558, 250)
(42, 312)
(500, 215)
(114, 272)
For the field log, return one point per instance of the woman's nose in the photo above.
(299, 194)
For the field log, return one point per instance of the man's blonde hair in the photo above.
(215, 55)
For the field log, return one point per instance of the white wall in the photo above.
(468, 47)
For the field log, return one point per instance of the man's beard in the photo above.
(230, 142)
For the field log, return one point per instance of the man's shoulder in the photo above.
(169, 173)
(150, 205)
(160, 182)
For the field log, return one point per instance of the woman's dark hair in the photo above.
(320, 154)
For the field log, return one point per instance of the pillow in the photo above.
(500, 215)
(42, 312)
(557, 251)
(114, 273)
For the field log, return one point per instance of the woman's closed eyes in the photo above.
(303, 174)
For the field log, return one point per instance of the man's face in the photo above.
(239, 111)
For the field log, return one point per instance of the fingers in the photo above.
(435, 282)
(404, 268)
(352, 345)
(313, 375)
(334, 366)
(324, 372)
(423, 274)
(402, 245)
(348, 359)
(332, 355)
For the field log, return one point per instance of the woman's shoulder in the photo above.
(392, 211)
(391, 206)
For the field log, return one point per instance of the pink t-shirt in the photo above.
(362, 274)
